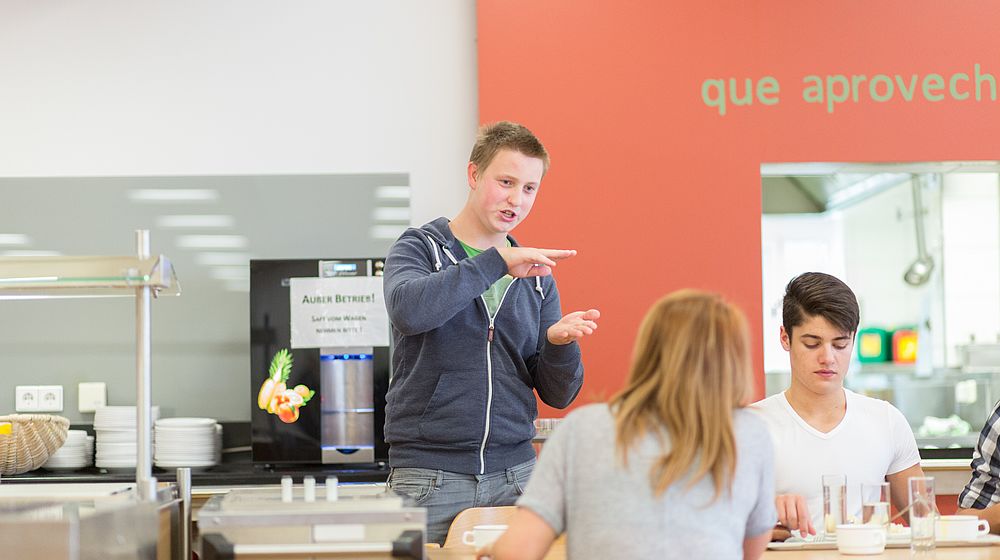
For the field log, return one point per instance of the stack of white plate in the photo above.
(72, 455)
(116, 443)
(186, 442)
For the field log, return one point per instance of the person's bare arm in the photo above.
(754, 547)
(899, 486)
(528, 537)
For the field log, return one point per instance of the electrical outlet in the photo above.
(91, 396)
(25, 398)
(50, 398)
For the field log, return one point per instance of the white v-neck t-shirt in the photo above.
(872, 441)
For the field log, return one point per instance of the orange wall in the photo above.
(656, 190)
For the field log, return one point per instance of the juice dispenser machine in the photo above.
(322, 324)
(347, 374)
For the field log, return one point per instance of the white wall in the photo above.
(881, 244)
(193, 88)
(791, 245)
(880, 240)
(189, 87)
(971, 259)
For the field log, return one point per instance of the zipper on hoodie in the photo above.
(489, 373)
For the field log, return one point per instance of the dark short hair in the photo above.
(816, 294)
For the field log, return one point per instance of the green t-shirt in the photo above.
(495, 292)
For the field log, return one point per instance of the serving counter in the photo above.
(90, 522)
(226, 475)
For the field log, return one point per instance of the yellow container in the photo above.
(904, 346)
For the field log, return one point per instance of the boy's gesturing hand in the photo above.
(573, 326)
(524, 262)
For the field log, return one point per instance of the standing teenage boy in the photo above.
(477, 329)
(817, 425)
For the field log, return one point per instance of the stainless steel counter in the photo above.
(87, 522)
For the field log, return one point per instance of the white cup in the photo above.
(951, 528)
(860, 539)
(483, 535)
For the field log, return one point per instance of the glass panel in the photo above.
(94, 276)
(209, 227)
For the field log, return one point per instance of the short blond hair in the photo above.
(690, 369)
(506, 135)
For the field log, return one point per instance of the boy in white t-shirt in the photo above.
(817, 425)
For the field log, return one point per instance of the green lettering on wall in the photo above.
(855, 82)
(713, 94)
(985, 79)
(737, 99)
(838, 90)
(907, 92)
(873, 86)
(935, 82)
(953, 86)
(765, 87)
(812, 93)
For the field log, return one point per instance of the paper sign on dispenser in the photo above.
(340, 311)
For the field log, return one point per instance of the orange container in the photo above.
(904, 346)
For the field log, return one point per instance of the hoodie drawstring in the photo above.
(451, 257)
(437, 256)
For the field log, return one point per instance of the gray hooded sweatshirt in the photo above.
(462, 392)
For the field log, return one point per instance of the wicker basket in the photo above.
(32, 439)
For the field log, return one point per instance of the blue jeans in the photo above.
(445, 494)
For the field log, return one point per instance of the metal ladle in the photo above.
(920, 271)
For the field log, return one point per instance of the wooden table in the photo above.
(558, 552)
(941, 553)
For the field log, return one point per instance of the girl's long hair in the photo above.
(690, 370)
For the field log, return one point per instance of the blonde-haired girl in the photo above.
(672, 467)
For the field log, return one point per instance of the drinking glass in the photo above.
(834, 502)
(922, 513)
(875, 503)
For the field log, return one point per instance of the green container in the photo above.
(874, 345)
